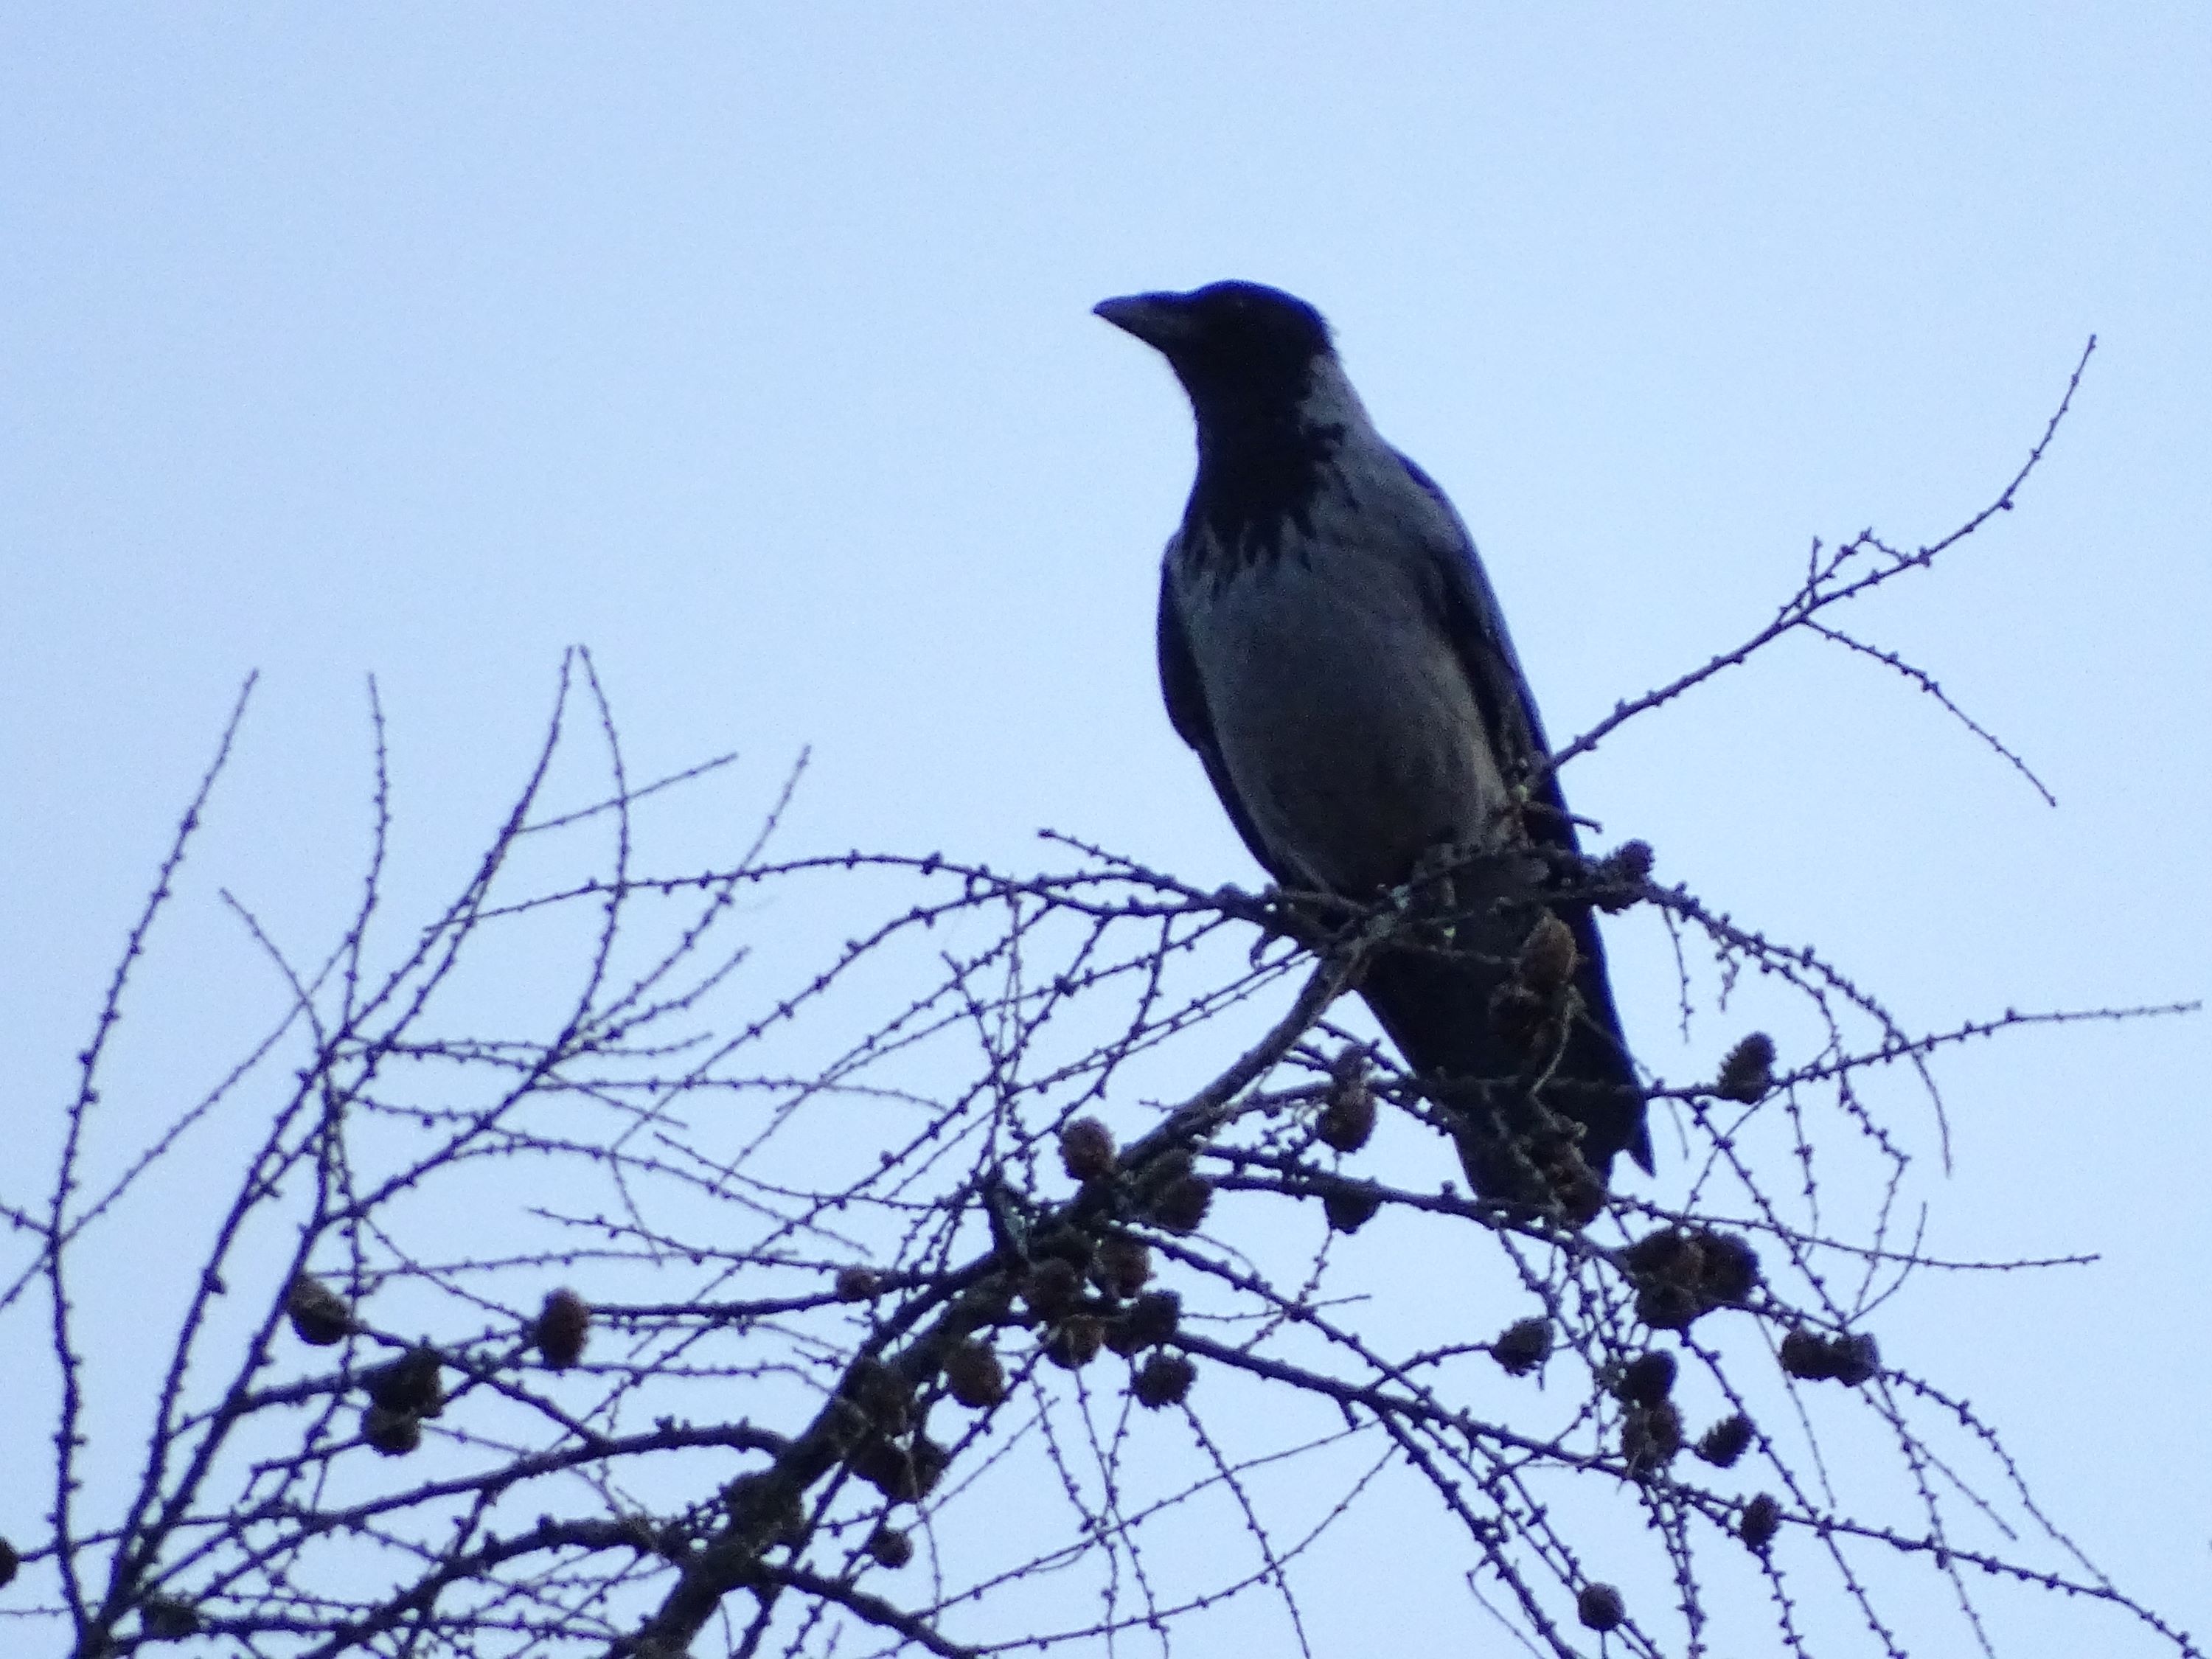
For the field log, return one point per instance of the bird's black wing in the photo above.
(1596, 1078)
(1185, 696)
(1472, 619)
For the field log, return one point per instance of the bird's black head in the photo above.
(1244, 352)
(1253, 360)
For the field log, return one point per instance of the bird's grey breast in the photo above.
(1343, 715)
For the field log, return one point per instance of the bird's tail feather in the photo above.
(1449, 1008)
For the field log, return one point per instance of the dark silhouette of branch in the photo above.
(867, 1249)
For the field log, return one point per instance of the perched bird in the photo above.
(1330, 645)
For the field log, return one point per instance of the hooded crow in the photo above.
(1330, 646)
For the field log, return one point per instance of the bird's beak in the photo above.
(1160, 320)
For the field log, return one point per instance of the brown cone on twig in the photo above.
(562, 1328)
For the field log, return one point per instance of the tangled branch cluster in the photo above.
(906, 1295)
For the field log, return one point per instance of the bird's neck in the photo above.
(1260, 471)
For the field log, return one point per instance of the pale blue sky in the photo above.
(749, 345)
